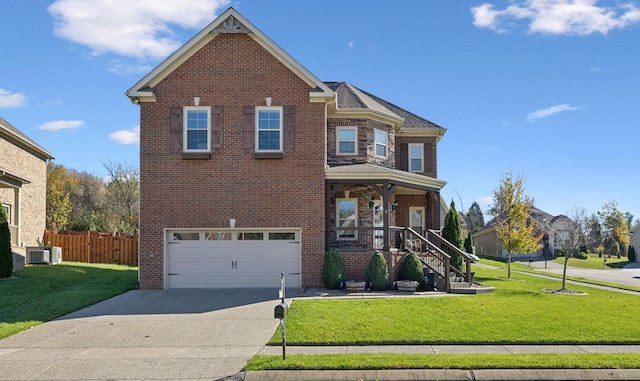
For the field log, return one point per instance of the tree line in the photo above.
(82, 201)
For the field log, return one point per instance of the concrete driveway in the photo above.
(147, 334)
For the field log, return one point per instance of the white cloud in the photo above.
(126, 136)
(9, 99)
(64, 124)
(545, 112)
(562, 17)
(121, 68)
(139, 28)
(485, 201)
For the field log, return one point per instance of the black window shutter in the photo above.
(175, 139)
(289, 128)
(429, 159)
(216, 128)
(404, 157)
(248, 128)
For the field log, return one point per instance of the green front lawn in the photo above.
(517, 313)
(41, 293)
(595, 262)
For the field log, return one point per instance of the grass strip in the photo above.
(446, 361)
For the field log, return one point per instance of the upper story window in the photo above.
(416, 157)
(197, 122)
(269, 129)
(381, 138)
(346, 140)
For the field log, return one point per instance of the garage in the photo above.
(229, 258)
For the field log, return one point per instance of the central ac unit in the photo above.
(37, 256)
(55, 255)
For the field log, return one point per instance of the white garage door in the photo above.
(232, 258)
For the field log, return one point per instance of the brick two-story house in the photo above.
(251, 166)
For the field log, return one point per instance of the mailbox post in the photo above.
(280, 312)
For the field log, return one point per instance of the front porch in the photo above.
(372, 208)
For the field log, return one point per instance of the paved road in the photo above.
(630, 275)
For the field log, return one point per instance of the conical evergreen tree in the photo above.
(333, 269)
(6, 257)
(468, 244)
(452, 232)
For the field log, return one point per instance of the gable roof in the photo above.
(18, 138)
(351, 101)
(228, 22)
(534, 212)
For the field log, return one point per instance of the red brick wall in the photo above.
(233, 71)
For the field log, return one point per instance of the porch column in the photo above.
(16, 215)
(327, 213)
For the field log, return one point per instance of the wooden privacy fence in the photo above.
(95, 247)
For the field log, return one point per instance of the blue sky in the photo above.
(549, 89)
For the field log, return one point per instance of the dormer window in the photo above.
(346, 138)
(381, 138)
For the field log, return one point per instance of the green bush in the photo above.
(378, 273)
(412, 268)
(559, 253)
(632, 254)
(583, 245)
(582, 255)
(333, 269)
(6, 256)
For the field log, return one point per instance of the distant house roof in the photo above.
(352, 98)
(12, 134)
(533, 212)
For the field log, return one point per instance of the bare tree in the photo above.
(123, 189)
(568, 234)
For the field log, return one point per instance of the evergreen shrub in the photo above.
(378, 273)
(632, 254)
(582, 255)
(412, 268)
(333, 269)
(6, 256)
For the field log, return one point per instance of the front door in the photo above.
(378, 222)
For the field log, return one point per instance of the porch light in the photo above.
(196, 101)
(372, 203)
(394, 205)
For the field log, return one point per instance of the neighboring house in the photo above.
(486, 242)
(23, 185)
(251, 166)
(635, 240)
